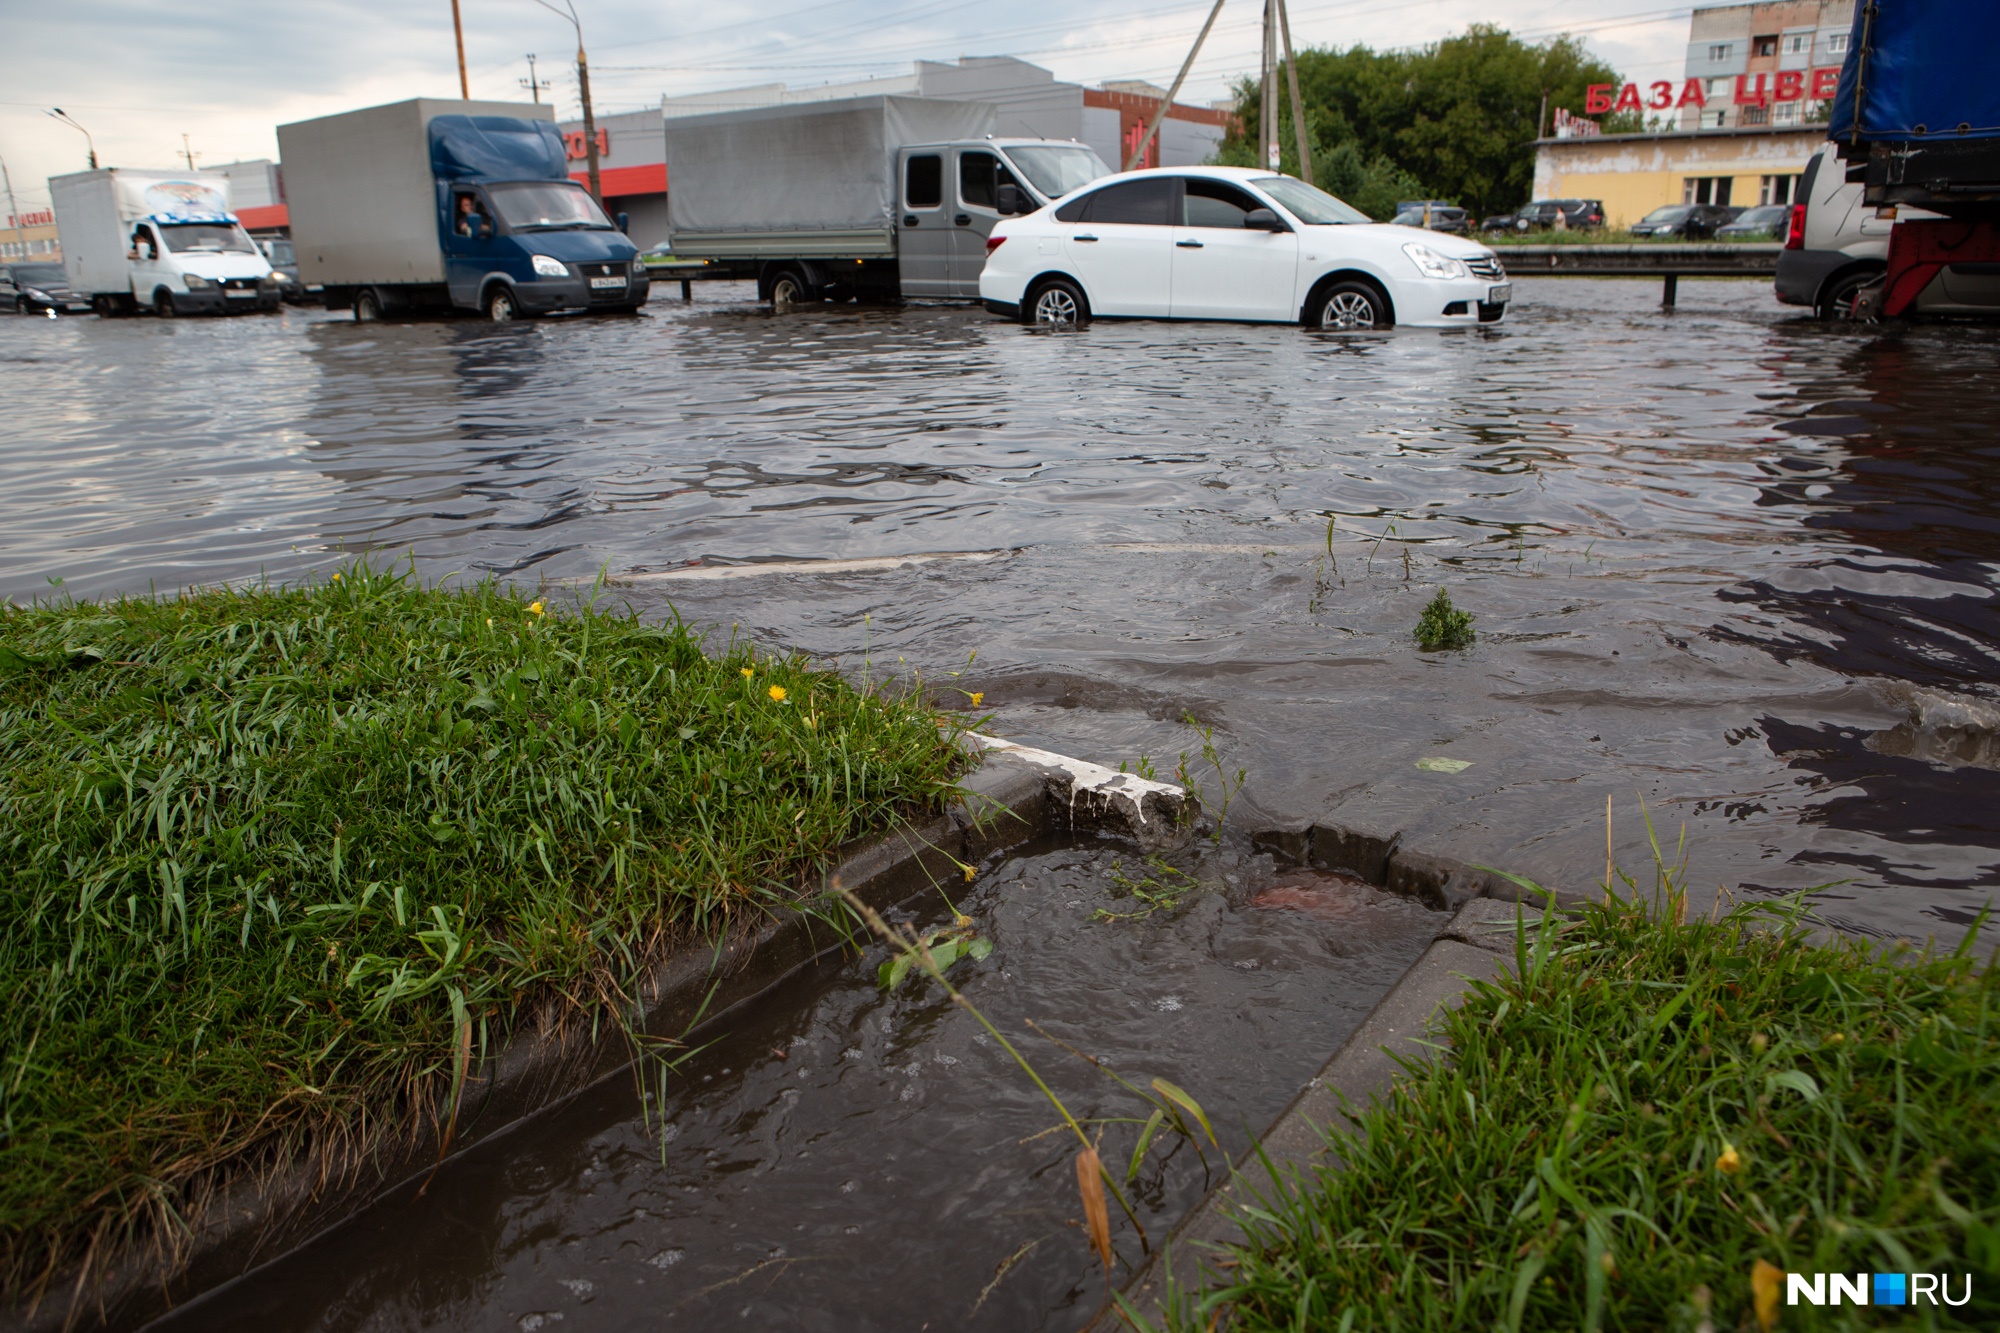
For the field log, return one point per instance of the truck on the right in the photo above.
(1899, 212)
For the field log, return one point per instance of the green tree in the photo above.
(1453, 120)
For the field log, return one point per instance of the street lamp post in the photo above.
(583, 86)
(63, 116)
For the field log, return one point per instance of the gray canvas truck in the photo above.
(873, 198)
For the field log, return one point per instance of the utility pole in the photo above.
(187, 151)
(63, 116)
(1160, 112)
(531, 83)
(1267, 117)
(1298, 103)
(583, 87)
(458, 31)
(1542, 116)
(13, 209)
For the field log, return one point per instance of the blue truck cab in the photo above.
(432, 205)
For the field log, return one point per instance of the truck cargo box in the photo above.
(363, 193)
(809, 180)
(95, 211)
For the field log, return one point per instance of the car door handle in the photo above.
(1083, 238)
(962, 220)
(909, 219)
(1187, 245)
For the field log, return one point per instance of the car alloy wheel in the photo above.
(1348, 308)
(1058, 304)
(1843, 300)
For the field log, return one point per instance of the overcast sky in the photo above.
(141, 73)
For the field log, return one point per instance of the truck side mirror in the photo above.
(625, 222)
(1007, 200)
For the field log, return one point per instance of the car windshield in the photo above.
(207, 238)
(39, 275)
(1660, 215)
(1314, 207)
(1767, 216)
(532, 205)
(1056, 169)
(282, 253)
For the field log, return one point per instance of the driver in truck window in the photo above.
(468, 208)
(143, 245)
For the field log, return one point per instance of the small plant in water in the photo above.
(1443, 625)
(1229, 786)
(1162, 891)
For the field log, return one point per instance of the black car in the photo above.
(1443, 217)
(1766, 222)
(1689, 222)
(285, 264)
(32, 289)
(1540, 215)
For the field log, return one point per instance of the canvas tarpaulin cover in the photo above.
(815, 166)
(1919, 70)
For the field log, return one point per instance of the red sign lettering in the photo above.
(1597, 98)
(1628, 99)
(1663, 96)
(1825, 83)
(1791, 85)
(575, 149)
(1748, 95)
(1692, 95)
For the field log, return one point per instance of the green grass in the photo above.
(1621, 1131)
(1501, 240)
(275, 861)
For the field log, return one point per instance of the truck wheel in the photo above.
(1057, 303)
(367, 307)
(1841, 297)
(790, 288)
(1349, 307)
(163, 303)
(500, 305)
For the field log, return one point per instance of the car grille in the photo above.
(1487, 267)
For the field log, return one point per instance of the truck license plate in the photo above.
(239, 294)
(1500, 295)
(596, 283)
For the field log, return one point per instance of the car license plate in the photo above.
(239, 294)
(596, 283)
(1501, 294)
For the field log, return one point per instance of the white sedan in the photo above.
(1232, 243)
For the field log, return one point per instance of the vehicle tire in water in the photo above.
(1350, 307)
(790, 288)
(1057, 303)
(500, 305)
(1837, 301)
(163, 303)
(367, 307)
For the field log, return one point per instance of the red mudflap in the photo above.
(1919, 251)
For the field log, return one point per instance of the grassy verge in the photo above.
(276, 863)
(1501, 240)
(1642, 1128)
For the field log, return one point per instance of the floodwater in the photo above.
(849, 1160)
(1733, 571)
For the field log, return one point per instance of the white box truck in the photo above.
(163, 241)
(872, 197)
(449, 205)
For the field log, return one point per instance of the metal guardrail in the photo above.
(1668, 261)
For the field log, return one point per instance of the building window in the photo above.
(1715, 120)
(1798, 42)
(1718, 88)
(1787, 114)
(1777, 189)
(1763, 46)
(1756, 115)
(1719, 51)
(1706, 190)
(1836, 43)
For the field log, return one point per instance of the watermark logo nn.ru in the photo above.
(1874, 1289)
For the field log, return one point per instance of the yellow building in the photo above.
(1633, 174)
(30, 236)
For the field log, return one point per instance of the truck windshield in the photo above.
(211, 238)
(532, 205)
(1314, 207)
(1056, 169)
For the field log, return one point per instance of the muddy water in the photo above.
(846, 1160)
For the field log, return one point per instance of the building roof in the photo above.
(1734, 132)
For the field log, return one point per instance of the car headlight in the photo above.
(269, 280)
(547, 266)
(638, 266)
(1432, 264)
(194, 282)
(37, 294)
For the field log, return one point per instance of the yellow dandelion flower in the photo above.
(534, 608)
(336, 576)
(747, 673)
(978, 698)
(969, 873)
(777, 694)
(1731, 1161)
(1835, 1038)
(1765, 1279)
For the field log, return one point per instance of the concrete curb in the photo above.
(1477, 946)
(1015, 794)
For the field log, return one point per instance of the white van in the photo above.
(1837, 251)
(158, 240)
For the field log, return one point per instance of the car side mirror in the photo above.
(1262, 219)
(625, 222)
(1007, 200)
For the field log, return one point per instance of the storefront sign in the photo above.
(1785, 85)
(576, 149)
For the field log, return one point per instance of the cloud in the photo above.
(141, 73)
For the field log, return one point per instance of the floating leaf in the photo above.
(1090, 1184)
(1441, 765)
(978, 949)
(890, 975)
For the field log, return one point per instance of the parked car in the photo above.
(1687, 222)
(1232, 243)
(1766, 222)
(285, 268)
(32, 289)
(1540, 215)
(1442, 217)
(1837, 250)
